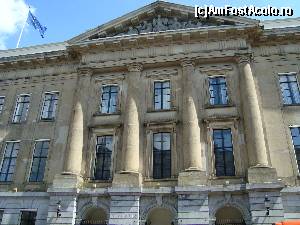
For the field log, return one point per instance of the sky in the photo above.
(65, 19)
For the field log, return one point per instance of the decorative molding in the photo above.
(109, 77)
(161, 73)
(135, 67)
(220, 68)
(187, 63)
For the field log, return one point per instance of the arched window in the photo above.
(229, 216)
(160, 216)
(95, 216)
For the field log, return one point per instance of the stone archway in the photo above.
(160, 216)
(95, 216)
(229, 215)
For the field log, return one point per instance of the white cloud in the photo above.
(13, 14)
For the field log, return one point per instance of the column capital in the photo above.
(135, 67)
(187, 63)
(244, 58)
(84, 71)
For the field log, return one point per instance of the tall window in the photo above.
(2, 99)
(39, 160)
(49, 106)
(161, 155)
(28, 218)
(9, 161)
(109, 99)
(218, 91)
(296, 141)
(223, 150)
(21, 109)
(289, 89)
(103, 159)
(1, 215)
(162, 95)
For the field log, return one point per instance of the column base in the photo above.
(67, 180)
(192, 178)
(127, 179)
(261, 174)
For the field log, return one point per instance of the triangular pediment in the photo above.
(159, 17)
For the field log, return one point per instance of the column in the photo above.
(259, 170)
(130, 175)
(191, 129)
(131, 133)
(253, 121)
(194, 173)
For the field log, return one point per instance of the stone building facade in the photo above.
(153, 118)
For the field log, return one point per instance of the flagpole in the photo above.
(22, 30)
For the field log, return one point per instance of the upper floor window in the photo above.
(289, 89)
(49, 106)
(223, 151)
(21, 109)
(39, 160)
(296, 142)
(28, 218)
(9, 160)
(104, 147)
(162, 95)
(2, 99)
(161, 155)
(109, 99)
(218, 91)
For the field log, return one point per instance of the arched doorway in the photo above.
(228, 215)
(95, 216)
(160, 216)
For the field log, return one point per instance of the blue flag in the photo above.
(36, 24)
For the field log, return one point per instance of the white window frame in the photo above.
(42, 106)
(15, 107)
(31, 160)
(293, 148)
(5, 144)
(118, 106)
(280, 92)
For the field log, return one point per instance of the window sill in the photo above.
(208, 106)
(161, 110)
(47, 120)
(150, 179)
(289, 105)
(107, 114)
(98, 181)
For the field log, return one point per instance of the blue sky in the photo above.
(68, 18)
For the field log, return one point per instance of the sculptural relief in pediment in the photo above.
(160, 23)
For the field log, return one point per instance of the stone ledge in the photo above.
(261, 175)
(192, 178)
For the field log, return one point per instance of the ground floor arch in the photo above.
(229, 215)
(95, 216)
(160, 216)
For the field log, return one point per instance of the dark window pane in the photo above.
(162, 95)
(39, 160)
(161, 155)
(103, 158)
(289, 89)
(21, 109)
(109, 99)
(295, 131)
(2, 99)
(9, 161)
(49, 106)
(223, 150)
(218, 91)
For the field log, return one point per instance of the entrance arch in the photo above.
(95, 216)
(160, 216)
(229, 215)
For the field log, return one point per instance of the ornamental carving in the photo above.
(160, 23)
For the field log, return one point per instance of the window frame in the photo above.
(3, 154)
(15, 108)
(237, 140)
(42, 106)
(32, 158)
(118, 105)
(227, 91)
(153, 94)
(96, 132)
(3, 106)
(279, 87)
(152, 128)
(294, 159)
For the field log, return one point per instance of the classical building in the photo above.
(156, 117)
